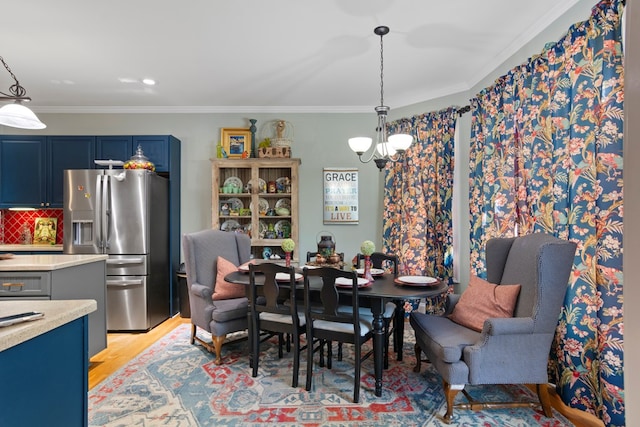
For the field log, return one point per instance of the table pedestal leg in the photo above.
(398, 329)
(378, 343)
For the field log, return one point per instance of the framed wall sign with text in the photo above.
(340, 195)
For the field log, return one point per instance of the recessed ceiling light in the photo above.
(149, 82)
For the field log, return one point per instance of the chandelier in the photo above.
(15, 114)
(385, 148)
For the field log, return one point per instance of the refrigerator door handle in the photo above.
(104, 212)
(126, 261)
(98, 213)
(124, 283)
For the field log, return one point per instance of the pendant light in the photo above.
(385, 148)
(15, 114)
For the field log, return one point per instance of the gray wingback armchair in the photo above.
(511, 350)
(220, 317)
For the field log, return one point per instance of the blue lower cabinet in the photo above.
(45, 379)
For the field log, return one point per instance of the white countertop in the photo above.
(56, 313)
(30, 248)
(46, 262)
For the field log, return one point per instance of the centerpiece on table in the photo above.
(288, 245)
(367, 248)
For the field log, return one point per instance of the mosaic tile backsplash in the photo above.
(13, 221)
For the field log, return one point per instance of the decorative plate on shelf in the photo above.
(343, 282)
(233, 181)
(262, 186)
(230, 225)
(262, 228)
(263, 206)
(281, 183)
(235, 203)
(284, 203)
(283, 226)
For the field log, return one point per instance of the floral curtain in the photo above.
(417, 219)
(546, 155)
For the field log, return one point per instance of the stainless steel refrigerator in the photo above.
(123, 213)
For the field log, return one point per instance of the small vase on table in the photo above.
(367, 248)
(367, 268)
(287, 246)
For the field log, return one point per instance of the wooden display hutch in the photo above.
(248, 196)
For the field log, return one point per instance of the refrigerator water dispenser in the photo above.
(82, 232)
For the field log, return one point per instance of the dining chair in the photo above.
(393, 309)
(273, 308)
(327, 323)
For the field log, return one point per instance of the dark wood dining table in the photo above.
(383, 289)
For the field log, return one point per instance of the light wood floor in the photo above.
(122, 347)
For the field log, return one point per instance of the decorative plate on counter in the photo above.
(263, 206)
(262, 186)
(233, 181)
(230, 225)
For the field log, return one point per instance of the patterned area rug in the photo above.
(174, 383)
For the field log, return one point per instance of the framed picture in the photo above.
(45, 231)
(225, 208)
(235, 141)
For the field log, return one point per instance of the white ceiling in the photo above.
(251, 55)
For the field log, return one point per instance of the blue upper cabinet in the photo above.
(156, 148)
(23, 171)
(67, 152)
(31, 168)
(114, 148)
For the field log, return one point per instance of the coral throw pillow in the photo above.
(224, 289)
(483, 300)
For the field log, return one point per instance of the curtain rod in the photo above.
(463, 110)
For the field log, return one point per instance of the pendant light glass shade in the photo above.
(15, 114)
(400, 141)
(18, 116)
(385, 149)
(360, 144)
